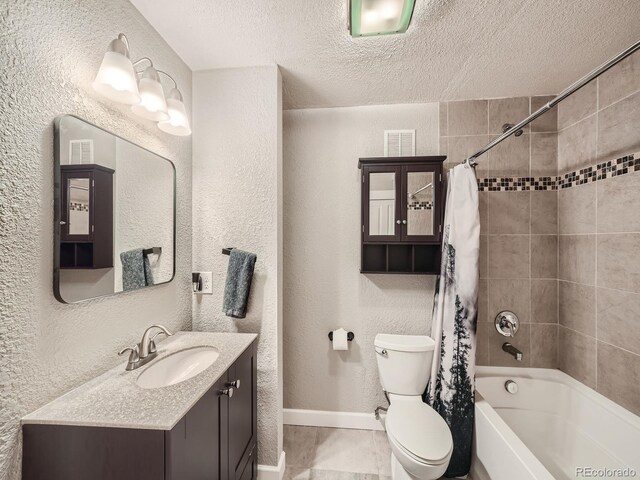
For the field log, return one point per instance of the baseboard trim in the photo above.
(268, 472)
(321, 418)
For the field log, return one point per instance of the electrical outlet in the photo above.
(207, 282)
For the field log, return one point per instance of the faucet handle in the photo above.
(134, 357)
(152, 342)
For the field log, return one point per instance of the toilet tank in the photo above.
(404, 362)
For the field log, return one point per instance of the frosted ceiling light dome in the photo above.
(380, 17)
(153, 105)
(178, 122)
(116, 78)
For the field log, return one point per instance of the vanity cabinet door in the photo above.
(242, 416)
(193, 445)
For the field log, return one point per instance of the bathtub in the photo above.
(553, 428)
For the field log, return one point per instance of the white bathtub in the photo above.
(550, 429)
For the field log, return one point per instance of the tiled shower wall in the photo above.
(599, 237)
(519, 241)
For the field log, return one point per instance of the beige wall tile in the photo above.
(619, 82)
(618, 127)
(468, 117)
(619, 204)
(482, 343)
(544, 256)
(619, 261)
(508, 256)
(483, 301)
(548, 122)
(577, 258)
(544, 346)
(443, 119)
(578, 106)
(444, 147)
(544, 154)
(513, 295)
(577, 209)
(577, 145)
(577, 305)
(544, 212)
(462, 147)
(618, 318)
(619, 376)
(484, 256)
(483, 207)
(544, 301)
(509, 212)
(577, 356)
(522, 341)
(507, 110)
(510, 158)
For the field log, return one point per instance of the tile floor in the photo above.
(315, 453)
(336, 454)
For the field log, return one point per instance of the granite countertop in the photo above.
(115, 400)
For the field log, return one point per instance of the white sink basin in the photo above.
(178, 367)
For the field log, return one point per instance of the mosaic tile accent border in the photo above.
(420, 206)
(81, 207)
(612, 168)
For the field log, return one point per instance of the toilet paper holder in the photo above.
(350, 336)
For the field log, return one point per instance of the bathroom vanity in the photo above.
(111, 427)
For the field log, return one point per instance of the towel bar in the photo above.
(227, 251)
(350, 336)
(149, 251)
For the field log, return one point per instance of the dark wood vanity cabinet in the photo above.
(402, 202)
(86, 217)
(215, 440)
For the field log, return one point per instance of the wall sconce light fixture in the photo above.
(117, 79)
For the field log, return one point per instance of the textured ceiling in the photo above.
(454, 49)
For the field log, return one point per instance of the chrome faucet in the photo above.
(145, 351)
(511, 350)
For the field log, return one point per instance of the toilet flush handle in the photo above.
(382, 352)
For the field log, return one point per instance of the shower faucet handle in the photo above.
(507, 323)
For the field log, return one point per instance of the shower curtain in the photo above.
(451, 386)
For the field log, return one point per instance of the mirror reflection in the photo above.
(420, 193)
(382, 203)
(115, 210)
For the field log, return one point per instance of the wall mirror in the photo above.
(114, 213)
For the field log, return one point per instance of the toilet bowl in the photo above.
(420, 439)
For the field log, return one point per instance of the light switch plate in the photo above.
(207, 283)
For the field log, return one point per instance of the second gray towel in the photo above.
(136, 270)
(238, 285)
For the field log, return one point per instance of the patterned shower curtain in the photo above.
(451, 386)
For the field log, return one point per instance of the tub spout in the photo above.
(511, 350)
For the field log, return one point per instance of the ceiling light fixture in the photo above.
(380, 17)
(117, 80)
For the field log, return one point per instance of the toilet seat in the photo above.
(418, 430)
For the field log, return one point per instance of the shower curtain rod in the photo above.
(564, 94)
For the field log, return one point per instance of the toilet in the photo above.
(420, 439)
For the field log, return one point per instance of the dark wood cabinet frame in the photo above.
(402, 253)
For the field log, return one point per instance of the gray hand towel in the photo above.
(238, 285)
(136, 270)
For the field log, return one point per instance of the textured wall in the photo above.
(599, 226)
(237, 202)
(49, 54)
(323, 285)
